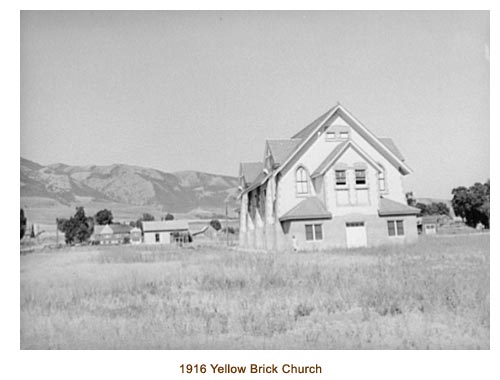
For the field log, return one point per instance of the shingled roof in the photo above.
(250, 171)
(309, 208)
(305, 132)
(282, 148)
(388, 207)
(389, 144)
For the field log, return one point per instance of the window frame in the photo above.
(337, 184)
(301, 182)
(313, 229)
(365, 183)
(396, 226)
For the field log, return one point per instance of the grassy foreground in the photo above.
(434, 294)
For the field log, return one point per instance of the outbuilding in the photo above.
(429, 225)
(164, 232)
(115, 233)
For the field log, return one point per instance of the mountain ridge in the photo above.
(180, 191)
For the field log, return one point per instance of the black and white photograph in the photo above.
(254, 180)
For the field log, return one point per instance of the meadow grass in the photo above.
(434, 294)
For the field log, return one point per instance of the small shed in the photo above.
(429, 225)
(164, 232)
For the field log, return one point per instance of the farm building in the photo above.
(135, 235)
(111, 234)
(164, 232)
(429, 224)
(332, 184)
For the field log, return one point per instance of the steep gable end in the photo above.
(282, 148)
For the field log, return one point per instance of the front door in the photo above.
(355, 234)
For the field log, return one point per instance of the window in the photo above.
(330, 136)
(381, 180)
(344, 135)
(360, 176)
(340, 178)
(157, 238)
(395, 228)
(301, 181)
(355, 224)
(314, 232)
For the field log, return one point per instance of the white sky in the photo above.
(203, 90)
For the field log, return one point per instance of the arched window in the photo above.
(301, 181)
(381, 179)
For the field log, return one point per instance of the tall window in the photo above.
(395, 228)
(301, 181)
(314, 232)
(381, 180)
(340, 178)
(360, 176)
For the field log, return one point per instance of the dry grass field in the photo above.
(432, 295)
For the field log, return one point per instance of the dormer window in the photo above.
(330, 135)
(360, 177)
(343, 135)
(301, 181)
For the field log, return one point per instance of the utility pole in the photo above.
(227, 227)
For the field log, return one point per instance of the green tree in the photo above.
(103, 217)
(78, 228)
(435, 208)
(147, 217)
(473, 204)
(24, 221)
(169, 216)
(144, 218)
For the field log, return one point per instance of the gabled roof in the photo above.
(388, 207)
(250, 171)
(309, 208)
(337, 153)
(308, 132)
(282, 148)
(120, 228)
(165, 225)
(305, 132)
(115, 228)
(392, 147)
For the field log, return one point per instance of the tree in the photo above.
(24, 221)
(215, 224)
(103, 217)
(169, 216)
(435, 208)
(473, 204)
(144, 218)
(147, 217)
(78, 228)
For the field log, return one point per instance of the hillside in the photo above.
(129, 189)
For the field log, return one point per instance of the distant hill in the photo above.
(124, 186)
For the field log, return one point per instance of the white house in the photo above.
(332, 184)
(163, 232)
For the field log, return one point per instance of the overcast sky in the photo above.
(203, 90)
